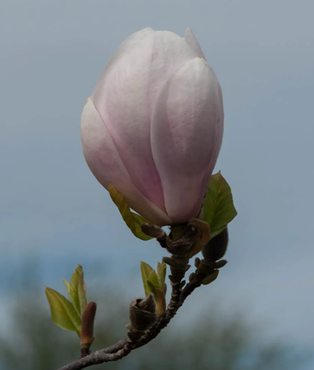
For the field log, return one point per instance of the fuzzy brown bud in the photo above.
(87, 332)
(216, 248)
(142, 315)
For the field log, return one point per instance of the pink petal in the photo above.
(193, 43)
(124, 97)
(187, 130)
(106, 165)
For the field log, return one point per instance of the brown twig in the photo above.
(181, 248)
(122, 348)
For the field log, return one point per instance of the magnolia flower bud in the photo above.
(153, 126)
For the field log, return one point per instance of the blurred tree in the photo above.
(214, 341)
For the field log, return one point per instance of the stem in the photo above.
(180, 249)
(122, 348)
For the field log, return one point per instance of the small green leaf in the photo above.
(152, 277)
(161, 273)
(160, 302)
(146, 269)
(63, 313)
(218, 205)
(67, 285)
(73, 294)
(132, 220)
(152, 288)
(153, 281)
(81, 290)
(217, 231)
(77, 290)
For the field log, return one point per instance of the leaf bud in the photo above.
(142, 316)
(210, 278)
(220, 264)
(87, 332)
(215, 249)
(197, 262)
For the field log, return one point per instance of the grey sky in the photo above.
(52, 53)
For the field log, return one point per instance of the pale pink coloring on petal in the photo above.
(187, 126)
(106, 165)
(193, 43)
(153, 126)
(124, 97)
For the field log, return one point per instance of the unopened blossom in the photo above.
(154, 123)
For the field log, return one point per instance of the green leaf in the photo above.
(81, 290)
(161, 273)
(73, 294)
(63, 313)
(218, 205)
(152, 288)
(77, 290)
(160, 302)
(133, 220)
(146, 269)
(152, 277)
(217, 231)
(155, 283)
(67, 285)
(149, 277)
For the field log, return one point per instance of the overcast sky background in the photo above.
(53, 212)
